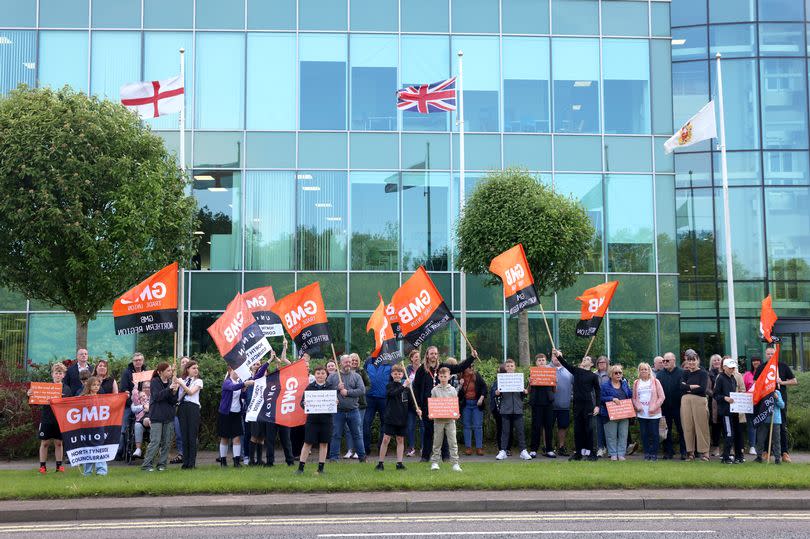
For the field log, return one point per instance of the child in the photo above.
(444, 426)
(92, 387)
(140, 410)
(511, 410)
(318, 428)
(398, 403)
(764, 432)
(188, 411)
(229, 420)
(49, 432)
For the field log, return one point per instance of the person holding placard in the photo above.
(615, 390)
(511, 409)
(748, 381)
(49, 433)
(318, 428)
(725, 384)
(91, 388)
(541, 400)
(398, 403)
(444, 427)
(587, 394)
(648, 396)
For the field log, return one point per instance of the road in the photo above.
(614, 525)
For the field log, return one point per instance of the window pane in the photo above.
(63, 13)
(117, 14)
(690, 89)
(322, 220)
(426, 209)
(414, 19)
(333, 288)
(663, 162)
(526, 84)
(213, 149)
(374, 76)
(668, 293)
(213, 290)
(322, 150)
(781, 39)
(323, 66)
(686, 12)
(220, 83)
(587, 189)
(733, 40)
(694, 216)
(786, 168)
(525, 16)
(661, 90)
(270, 150)
(482, 152)
(271, 64)
(17, 13)
(63, 59)
(743, 168)
(630, 223)
(732, 11)
(527, 151)
(282, 283)
(692, 170)
(425, 59)
(18, 59)
(271, 15)
(374, 150)
(375, 234)
(575, 17)
(220, 14)
(627, 85)
(475, 16)
(218, 194)
(628, 154)
(481, 81)
(689, 43)
(660, 19)
(11, 301)
(161, 60)
(116, 61)
(784, 103)
(269, 221)
(665, 223)
(162, 14)
(425, 151)
(321, 15)
(624, 18)
(379, 15)
(643, 297)
(577, 154)
(747, 240)
(787, 222)
(363, 289)
(485, 331)
(575, 71)
(538, 337)
(780, 10)
(633, 338)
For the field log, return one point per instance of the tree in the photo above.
(510, 207)
(92, 202)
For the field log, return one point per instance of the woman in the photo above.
(92, 387)
(188, 412)
(648, 396)
(108, 383)
(615, 390)
(694, 407)
(715, 429)
(602, 365)
(748, 381)
(471, 393)
(415, 361)
(331, 367)
(163, 388)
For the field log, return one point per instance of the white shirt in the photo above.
(236, 401)
(644, 389)
(195, 398)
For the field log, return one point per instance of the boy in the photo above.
(318, 428)
(48, 427)
(398, 403)
(511, 410)
(444, 426)
(541, 400)
(726, 383)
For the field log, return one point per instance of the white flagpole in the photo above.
(732, 312)
(180, 279)
(461, 188)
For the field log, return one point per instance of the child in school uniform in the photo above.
(318, 428)
(49, 432)
(399, 401)
(444, 426)
(91, 387)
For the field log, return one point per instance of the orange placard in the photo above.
(543, 376)
(43, 392)
(623, 410)
(443, 408)
(143, 376)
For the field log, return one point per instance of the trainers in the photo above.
(631, 448)
(434, 466)
(348, 454)
(525, 455)
(501, 455)
(600, 453)
(752, 450)
(551, 455)
(43, 470)
(354, 455)
(137, 453)
(148, 469)
(456, 468)
(380, 466)
(562, 451)
(161, 468)
(245, 460)
(60, 469)
(411, 453)
(532, 454)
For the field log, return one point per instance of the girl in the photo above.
(331, 367)
(229, 420)
(140, 410)
(615, 390)
(49, 433)
(163, 388)
(189, 412)
(108, 383)
(92, 387)
(415, 361)
(648, 396)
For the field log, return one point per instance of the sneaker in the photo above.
(600, 453)
(532, 454)
(501, 455)
(777, 460)
(614, 457)
(148, 469)
(348, 454)
(354, 455)
(752, 450)
(362, 460)
(380, 466)
(456, 468)
(508, 452)
(551, 455)
(739, 460)
(43, 470)
(245, 460)
(525, 455)
(411, 453)
(727, 461)
(622, 458)
(137, 453)
(178, 459)
(631, 448)
(434, 466)
(401, 466)
(161, 468)
(60, 469)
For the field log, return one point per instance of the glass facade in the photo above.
(304, 170)
(765, 79)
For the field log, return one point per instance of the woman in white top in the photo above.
(188, 412)
(648, 395)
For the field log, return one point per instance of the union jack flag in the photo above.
(427, 98)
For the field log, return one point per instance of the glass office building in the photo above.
(304, 170)
(765, 77)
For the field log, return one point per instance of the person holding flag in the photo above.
(587, 394)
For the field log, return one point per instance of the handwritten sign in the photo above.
(743, 403)
(443, 408)
(143, 376)
(43, 392)
(543, 376)
(320, 402)
(510, 382)
(623, 410)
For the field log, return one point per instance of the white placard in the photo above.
(510, 382)
(320, 402)
(257, 401)
(743, 403)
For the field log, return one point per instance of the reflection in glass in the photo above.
(63, 59)
(218, 194)
(786, 168)
(733, 40)
(787, 222)
(686, 12)
(116, 60)
(373, 68)
(747, 249)
(269, 220)
(322, 225)
(425, 59)
(18, 59)
(781, 39)
(161, 52)
(323, 81)
(690, 89)
(743, 168)
(375, 220)
(630, 232)
(220, 83)
(575, 71)
(587, 189)
(694, 218)
(732, 11)
(689, 43)
(271, 64)
(426, 219)
(526, 73)
(784, 103)
(481, 81)
(626, 73)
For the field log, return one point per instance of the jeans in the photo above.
(649, 436)
(160, 439)
(178, 435)
(413, 421)
(188, 415)
(339, 420)
(101, 468)
(374, 405)
(600, 434)
(473, 419)
(616, 437)
(270, 442)
(673, 421)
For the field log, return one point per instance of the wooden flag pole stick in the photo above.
(334, 357)
(464, 334)
(770, 436)
(589, 346)
(548, 329)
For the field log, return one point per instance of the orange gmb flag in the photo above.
(518, 284)
(304, 316)
(391, 314)
(767, 319)
(150, 306)
(259, 301)
(239, 338)
(90, 426)
(766, 382)
(595, 302)
(385, 344)
(420, 308)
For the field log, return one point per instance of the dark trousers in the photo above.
(271, 429)
(513, 422)
(716, 431)
(649, 436)
(427, 441)
(499, 431)
(583, 420)
(732, 435)
(783, 437)
(542, 421)
(674, 421)
(374, 406)
(189, 415)
(297, 440)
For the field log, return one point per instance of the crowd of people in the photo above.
(666, 396)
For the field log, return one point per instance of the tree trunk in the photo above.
(81, 331)
(523, 338)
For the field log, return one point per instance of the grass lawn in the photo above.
(131, 481)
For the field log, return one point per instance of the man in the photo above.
(562, 404)
(658, 364)
(379, 374)
(350, 386)
(126, 385)
(784, 378)
(73, 378)
(587, 395)
(670, 378)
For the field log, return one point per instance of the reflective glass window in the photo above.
(18, 13)
(374, 150)
(270, 150)
(661, 89)
(690, 89)
(743, 168)
(171, 140)
(633, 337)
(575, 17)
(321, 15)
(628, 154)
(587, 189)
(538, 337)
(271, 64)
(665, 223)
(747, 239)
(220, 14)
(322, 150)
(668, 292)
(630, 225)
(374, 74)
(63, 59)
(524, 16)
(271, 14)
(577, 154)
(213, 290)
(664, 162)
(686, 12)
(481, 81)
(475, 16)
(218, 194)
(732, 40)
(363, 289)
(425, 59)
(322, 66)
(787, 223)
(322, 220)
(282, 283)
(117, 14)
(694, 218)
(375, 233)
(161, 52)
(481, 152)
(532, 152)
(620, 18)
(626, 72)
(780, 10)
(413, 17)
(218, 149)
(18, 59)
(11, 301)
(526, 73)
(116, 60)
(781, 39)
(161, 14)
(220, 83)
(786, 168)
(426, 218)
(425, 151)
(659, 15)
(692, 169)
(270, 221)
(689, 43)
(575, 72)
(784, 103)
(374, 15)
(643, 298)
(732, 11)
(63, 13)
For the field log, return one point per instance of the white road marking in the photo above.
(520, 532)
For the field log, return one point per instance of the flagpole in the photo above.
(461, 189)
(180, 348)
(732, 311)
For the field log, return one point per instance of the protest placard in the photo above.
(143, 376)
(443, 408)
(320, 402)
(43, 392)
(543, 376)
(510, 382)
(743, 403)
(623, 410)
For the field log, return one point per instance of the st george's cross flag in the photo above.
(427, 98)
(699, 127)
(151, 99)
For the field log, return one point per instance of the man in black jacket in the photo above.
(541, 400)
(73, 378)
(670, 378)
(587, 396)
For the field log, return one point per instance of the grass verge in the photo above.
(353, 477)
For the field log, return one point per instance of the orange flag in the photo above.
(420, 308)
(238, 337)
(150, 306)
(595, 302)
(385, 344)
(518, 284)
(766, 382)
(767, 319)
(304, 316)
